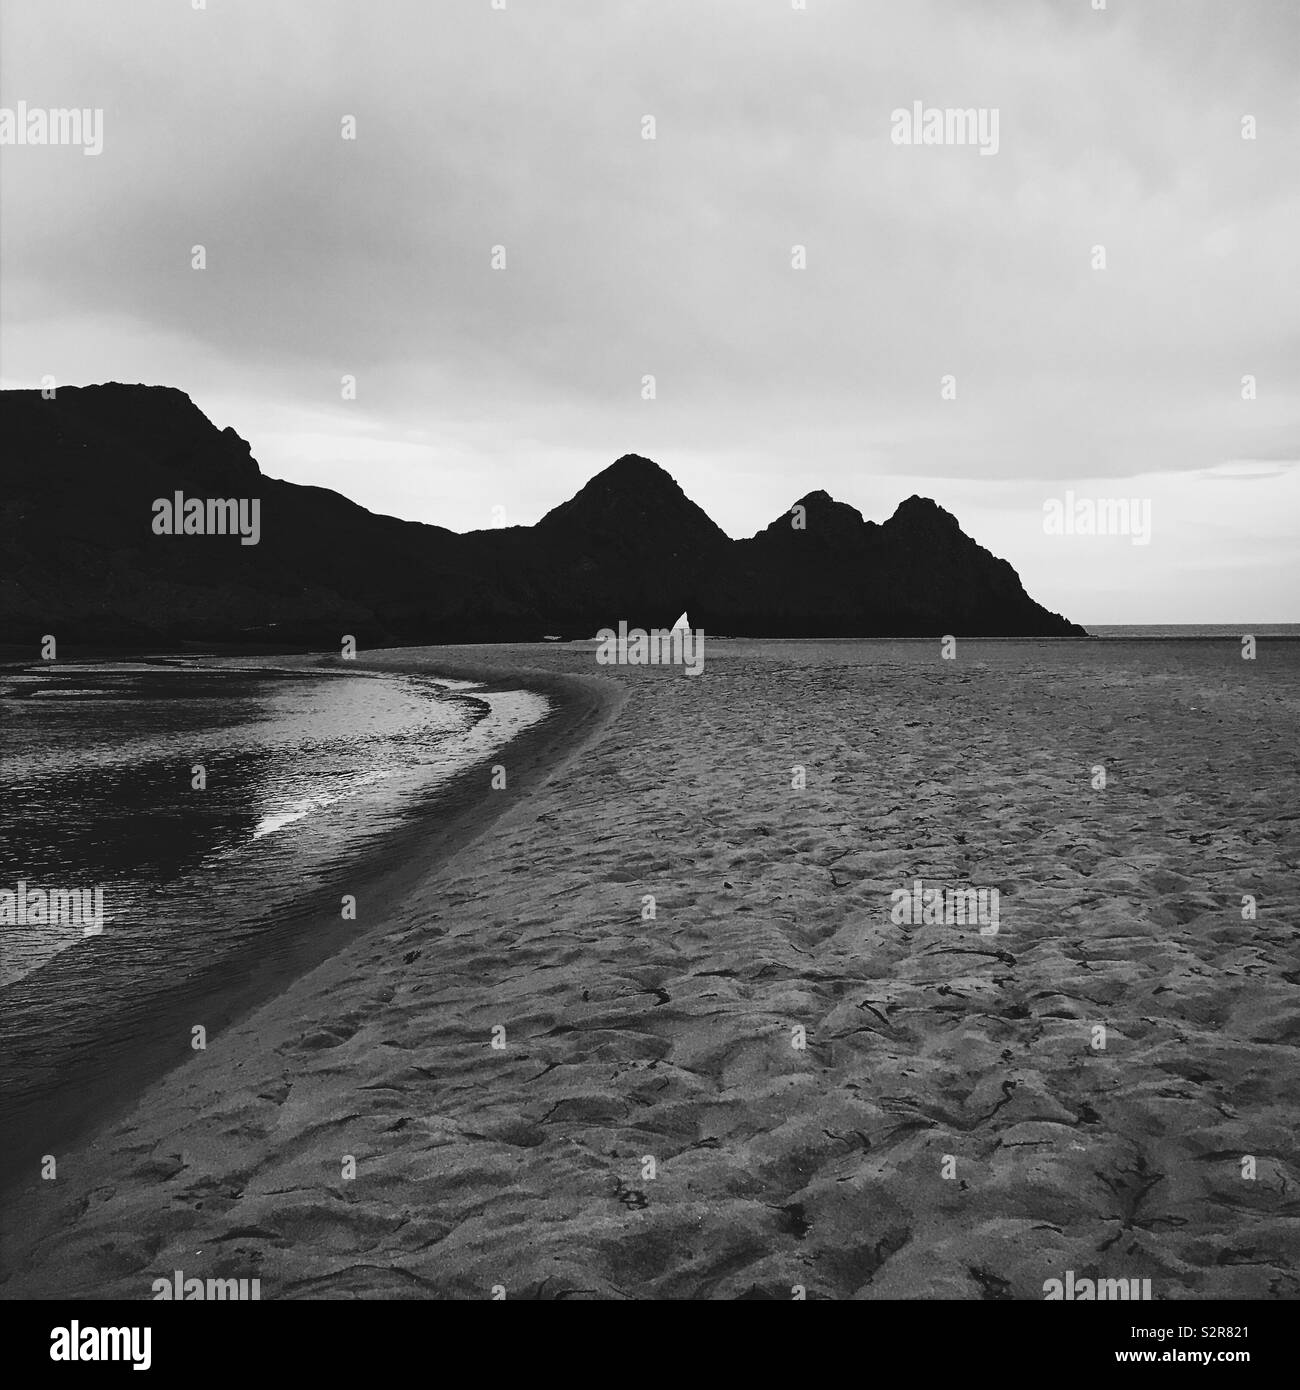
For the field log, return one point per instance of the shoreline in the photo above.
(451, 816)
(659, 1035)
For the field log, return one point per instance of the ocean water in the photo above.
(219, 813)
(1193, 629)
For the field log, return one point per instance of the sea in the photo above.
(215, 817)
(205, 824)
(1153, 630)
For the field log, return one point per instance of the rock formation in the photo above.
(81, 558)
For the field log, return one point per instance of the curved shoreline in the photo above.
(625, 968)
(455, 814)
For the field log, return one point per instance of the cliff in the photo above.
(82, 558)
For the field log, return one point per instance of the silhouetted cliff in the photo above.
(82, 559)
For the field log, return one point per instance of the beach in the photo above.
(648, 1025)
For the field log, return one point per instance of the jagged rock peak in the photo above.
(923, 509)
(634, 491)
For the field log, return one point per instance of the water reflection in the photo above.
(220, 809)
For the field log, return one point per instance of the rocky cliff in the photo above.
(80, 555)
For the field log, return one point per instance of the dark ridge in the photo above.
(82, 560)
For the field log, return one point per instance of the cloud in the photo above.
(672, 257)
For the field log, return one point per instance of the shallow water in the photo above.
(305, 775)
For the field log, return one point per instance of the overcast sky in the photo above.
(522, 127)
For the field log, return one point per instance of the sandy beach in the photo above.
(768, 1085)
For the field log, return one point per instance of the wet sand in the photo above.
(650, 1126)
(108, 1062)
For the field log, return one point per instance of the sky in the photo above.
(952, 331)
